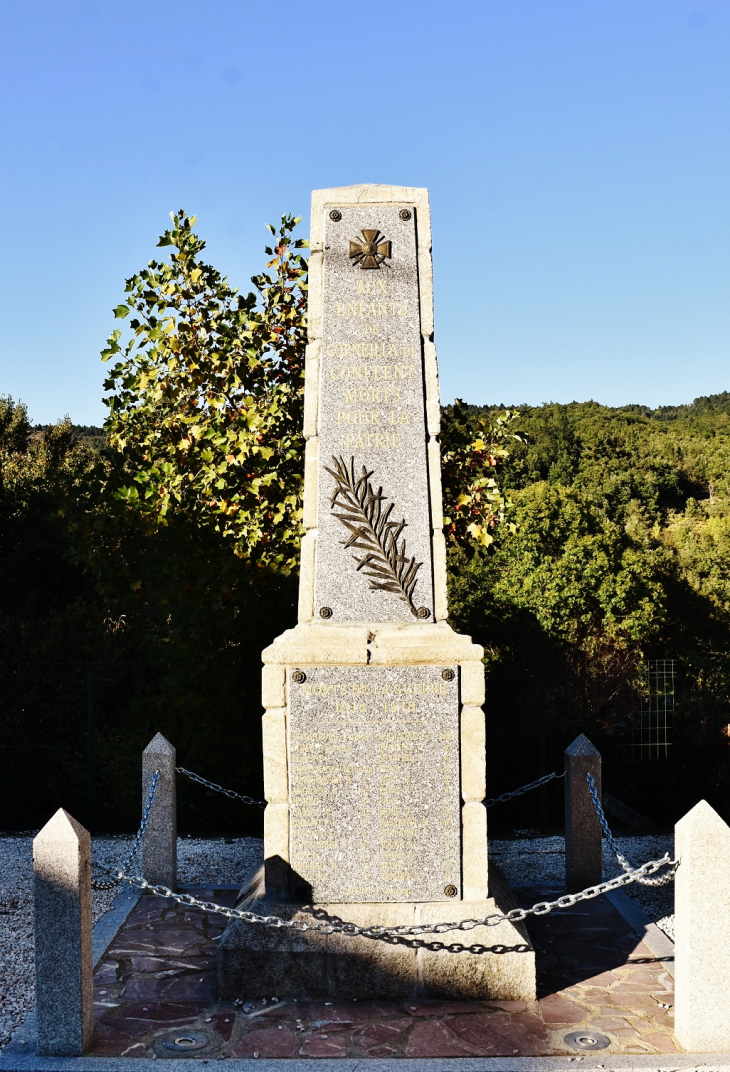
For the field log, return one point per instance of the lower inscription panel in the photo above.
(374, 783)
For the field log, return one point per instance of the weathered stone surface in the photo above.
(318, 643)
(374, 783)
(702, 931)
(372, 403)
(473, 745)
(62, 908)
(474, 851)
(159, 842)
(306, 576)
(472, 683)
(390, 969)
(424, 644)
(276, 850)
(257, 961)
(273, 686)
(486, 962)
(583, 837)
(273, 727)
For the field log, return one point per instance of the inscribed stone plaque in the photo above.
(372, 430)
(374, 783)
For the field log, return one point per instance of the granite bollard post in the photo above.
(63, 962)
(159, 842)
(583, 835)
(702, 931)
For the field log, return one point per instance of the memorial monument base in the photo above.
(255, 961)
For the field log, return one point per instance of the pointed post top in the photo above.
(62, 828)
(703, 817)
(159, 746)
(581, 746)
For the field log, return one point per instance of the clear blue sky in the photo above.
(577, 153)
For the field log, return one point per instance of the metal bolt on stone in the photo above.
(159, 840)
(583, 835)
(63, 960)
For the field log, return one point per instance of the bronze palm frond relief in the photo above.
(368, 519)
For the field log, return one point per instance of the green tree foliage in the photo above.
(164, 556)
(206, 396)
(472, 447)
(620, 555)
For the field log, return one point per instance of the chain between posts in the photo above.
(96, 884)
(662, 880)
(219, 788)
(516, 915)
(518, 792)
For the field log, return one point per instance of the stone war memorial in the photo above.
(375, 926)
(373, 733)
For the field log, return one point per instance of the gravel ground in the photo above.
(525, 861)
(199, 862)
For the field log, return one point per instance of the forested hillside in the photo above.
(621, 555)
(145, 567)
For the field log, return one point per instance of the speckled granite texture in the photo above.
(374, 784)
(372, 406)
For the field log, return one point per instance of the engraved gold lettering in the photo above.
(377, 287)
(372, 394)
(369, 310)
(371, 372)
(358, 416)
(371, 441)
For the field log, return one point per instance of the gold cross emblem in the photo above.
(370, 251)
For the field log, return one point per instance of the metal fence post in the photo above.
(159, 841)
(583, 835)
(90, 751)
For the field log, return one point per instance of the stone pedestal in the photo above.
(373, 736)
(487, 962)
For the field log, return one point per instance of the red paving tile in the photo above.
(222, 1025)
(442, 1008)
(324, 1046)
(434, 1038)
(159, 976)
(266, 1042)
(383, 1031)
(557, 1010)
(663, 1043)
(499, 1035)
(159, 1012)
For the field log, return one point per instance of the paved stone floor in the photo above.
(157, 982)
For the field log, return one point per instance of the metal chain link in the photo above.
(663, 880)
(351, 929)
(219, 788)
(523, 789)
(97, 884)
